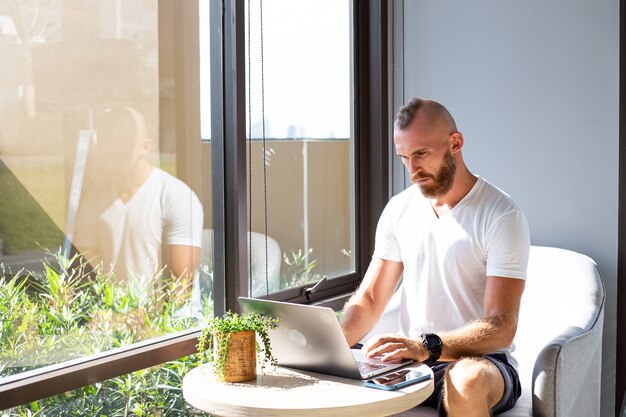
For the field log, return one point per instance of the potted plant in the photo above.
(230, 346)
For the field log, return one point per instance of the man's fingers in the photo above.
(397, 355)
(384, 349)
(394, 348)
(375, 342)
(391, 348)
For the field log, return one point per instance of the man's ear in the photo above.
(456, 142)
(146, 146)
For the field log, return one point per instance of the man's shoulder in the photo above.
(406, 204)
(405, 196)
(173, 190)
(168, 180)
(170, 185)
(405, 199)
(491, 195)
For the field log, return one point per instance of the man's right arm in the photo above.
(368, 303)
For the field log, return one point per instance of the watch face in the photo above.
(432, 340)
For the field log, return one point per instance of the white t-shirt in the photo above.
(446, 260)
(130, 234)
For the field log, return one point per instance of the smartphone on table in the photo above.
(397, 379)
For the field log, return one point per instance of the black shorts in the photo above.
(512, 386)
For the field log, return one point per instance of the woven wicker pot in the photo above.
(241, 363)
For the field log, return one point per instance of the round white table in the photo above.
(295, 393)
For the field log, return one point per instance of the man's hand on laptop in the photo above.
(392, 347)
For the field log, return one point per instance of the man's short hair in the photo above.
(435, 113)
(407, 113)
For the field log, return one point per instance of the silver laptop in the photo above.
(310, 338)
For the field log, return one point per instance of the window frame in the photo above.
(371, 26)
(620, 376)
(370, 31)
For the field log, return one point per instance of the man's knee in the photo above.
(474, 380)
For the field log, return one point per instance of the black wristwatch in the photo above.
(432, 343)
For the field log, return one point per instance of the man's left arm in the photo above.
(184, 262)
(184, 217)
(494, 331)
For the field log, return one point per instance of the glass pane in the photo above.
(205, 70)
(104, 178)
(299, 100)
(150, 392)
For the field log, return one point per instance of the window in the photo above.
(103, 222)
(91, 89)
(300, 142)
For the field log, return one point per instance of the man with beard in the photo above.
(142, 217)
(462, 246)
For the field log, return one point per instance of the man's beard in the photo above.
(443, 180)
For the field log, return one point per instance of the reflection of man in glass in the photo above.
(143, 207)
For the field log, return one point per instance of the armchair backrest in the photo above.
(562, 304)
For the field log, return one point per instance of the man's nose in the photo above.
(412, 165)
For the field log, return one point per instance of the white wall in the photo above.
(533, 86)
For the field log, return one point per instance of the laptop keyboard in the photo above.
(367, 367)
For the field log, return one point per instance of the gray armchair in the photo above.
(559, 337)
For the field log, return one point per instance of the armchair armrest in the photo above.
(566, 375)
